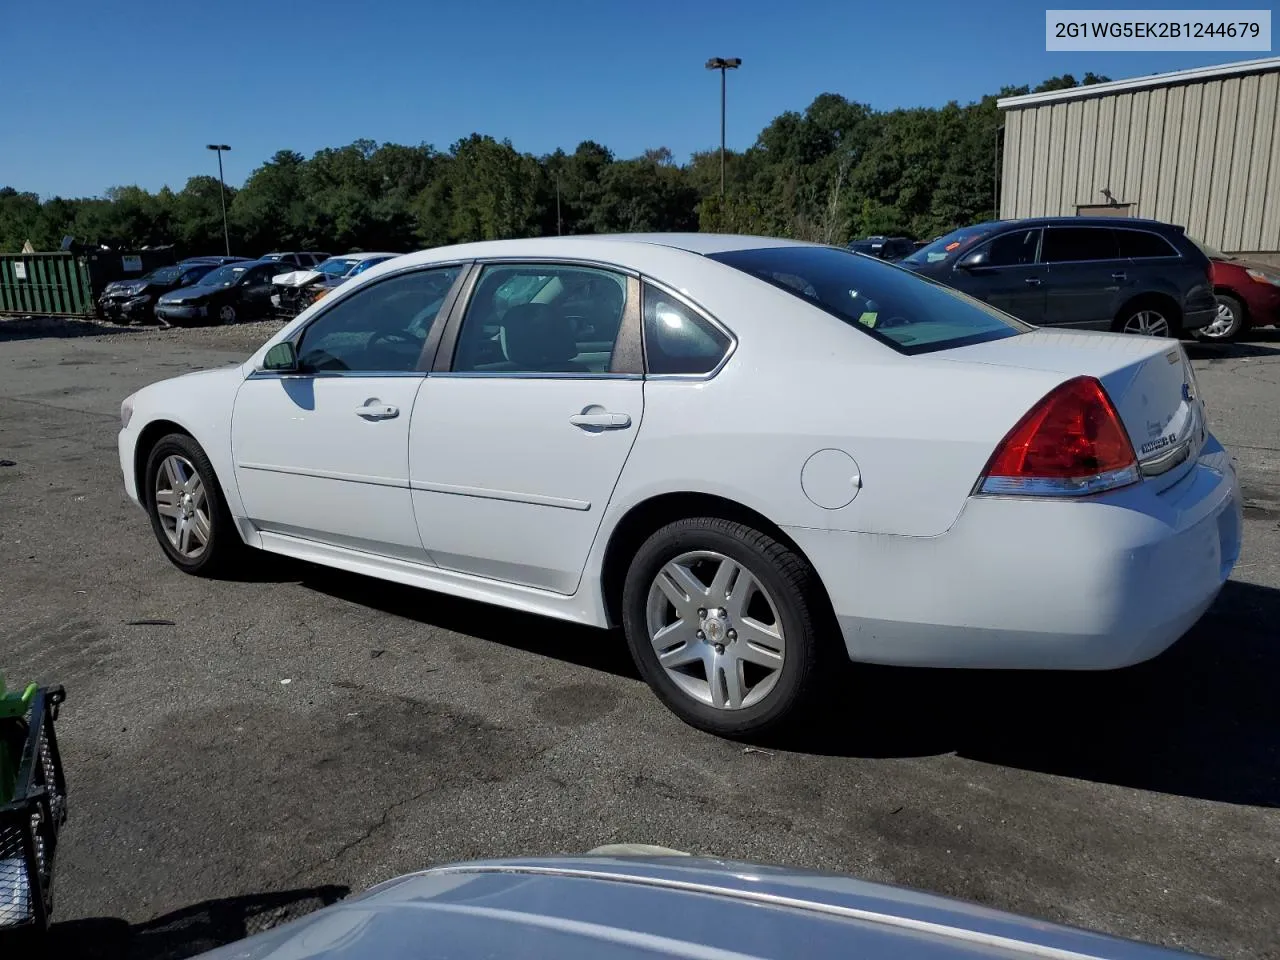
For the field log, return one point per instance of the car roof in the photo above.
(1073, 221)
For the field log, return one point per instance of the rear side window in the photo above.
(677, 340)
(896, 307)
(1073, 244)
(1143, 244)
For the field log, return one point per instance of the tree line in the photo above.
(835, 171)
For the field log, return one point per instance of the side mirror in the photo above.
(970, 260)
(283, 357)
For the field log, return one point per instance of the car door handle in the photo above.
(1119, 276)
(373, 410)
(606, 421)
(1032, 281)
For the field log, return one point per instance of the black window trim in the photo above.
(625, 364)
(1174, 253)
(694, 307)
(429, 349)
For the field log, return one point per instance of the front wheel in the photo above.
(721, 620)
(226, 313)
(188, 514)
(1227, 322)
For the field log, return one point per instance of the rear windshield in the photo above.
(897, 307)
(952, 245)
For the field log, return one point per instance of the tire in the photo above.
(768, 697)
(1144, 318)
(181, 458)
(226, 313)
(1228, 323)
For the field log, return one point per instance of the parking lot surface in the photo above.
(241, 751)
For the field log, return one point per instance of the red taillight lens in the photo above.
(1071, 443)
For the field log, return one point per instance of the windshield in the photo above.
(223, 276)
(336, 267)
(953, 244)
(897, 307)
(162, 275)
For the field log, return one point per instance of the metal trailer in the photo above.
(68, 284)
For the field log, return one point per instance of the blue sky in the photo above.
(100, 94)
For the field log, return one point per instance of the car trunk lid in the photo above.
(1150, 381)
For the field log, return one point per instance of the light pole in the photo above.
(226, 237)
(723, 64)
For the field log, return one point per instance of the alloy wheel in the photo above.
(1221, 325)
(183, 506)
(715, 630)
(1148, 323)
(227, 314)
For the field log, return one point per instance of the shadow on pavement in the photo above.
(173, 936)
(1256, 343)
(40, 328)
(1202, 720)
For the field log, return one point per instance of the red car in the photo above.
(1248, 296)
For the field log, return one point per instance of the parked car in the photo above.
(299, 260)
(886, 248)
(927, 481)
(613, 907)
(234, 291)
(298, 289)
(216, 260)
(134, 301)
(1248, 296)
(1130, 276)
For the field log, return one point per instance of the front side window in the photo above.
(677, 340)
(541, 318)
(895, 306)
(381, 328)
(955, 244)
(1007, 250)
(1074, 244)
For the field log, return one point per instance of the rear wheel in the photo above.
(722, 622)
(1146, 319)
(1227, 323)
(188, 514)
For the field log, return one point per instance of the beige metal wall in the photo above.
(1204, 155)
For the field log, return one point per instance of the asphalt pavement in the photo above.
(241, 751)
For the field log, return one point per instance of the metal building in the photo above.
(1200, 148)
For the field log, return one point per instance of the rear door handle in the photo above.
(373, 410)
(1119, 276)
(1033, 281)
(604, 421)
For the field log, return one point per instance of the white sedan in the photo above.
(750, 454)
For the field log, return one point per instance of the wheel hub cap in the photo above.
(182, 507)
(715, 630)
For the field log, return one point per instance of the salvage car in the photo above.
(300, 288)
(620, 906)
(1133, 276)
(755, 456)
(886, 248)
(300, 261)
(235, 291)
(1248, 295)
(134, 301)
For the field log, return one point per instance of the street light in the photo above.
(226, 237)
(723, 64)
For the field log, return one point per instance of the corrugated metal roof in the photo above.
(1194, 75)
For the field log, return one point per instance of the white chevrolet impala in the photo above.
(750, 454)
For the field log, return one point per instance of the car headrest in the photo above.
(535, 336)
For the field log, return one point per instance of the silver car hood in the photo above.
(608, 908)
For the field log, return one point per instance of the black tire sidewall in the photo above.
(221, 537)
(1133, 310)
(792, 608)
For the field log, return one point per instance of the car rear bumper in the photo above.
(1195, 319)
(1030, 584)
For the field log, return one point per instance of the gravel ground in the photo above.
(300, 732)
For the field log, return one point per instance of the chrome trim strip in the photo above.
(530, 375)
(533, 260)
(511, 496)
(702, 312)
(991, 940)
(325, 474)
(327, 374)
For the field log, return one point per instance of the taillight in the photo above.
(1070, 444)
